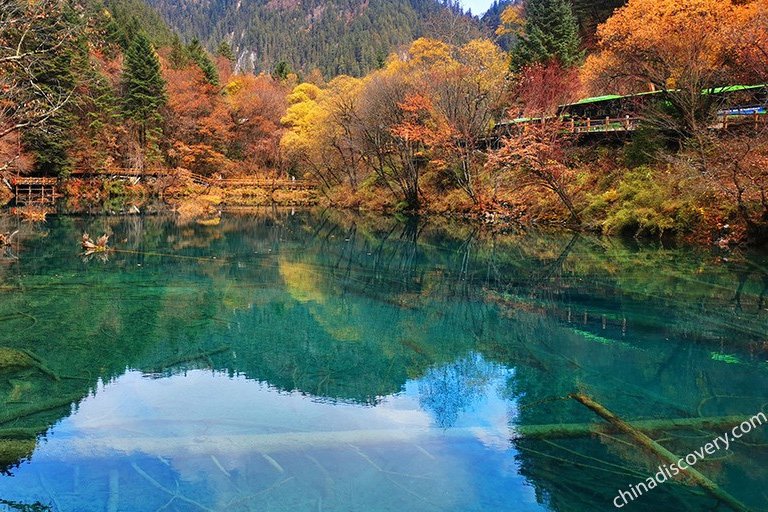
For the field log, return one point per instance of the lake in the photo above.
(318, 361)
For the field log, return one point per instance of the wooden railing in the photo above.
(265, 183)
(756, 119)
(628, 124)
(138, 173)
(25, 181)
(607, 124)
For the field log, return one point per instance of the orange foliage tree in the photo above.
(750, 32)
(664, 44)
(541, 88)
(256, 104)
(682, 47)
(198, 122)
(536, 158)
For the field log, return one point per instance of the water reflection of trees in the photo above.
(451, 389)
(348, 308)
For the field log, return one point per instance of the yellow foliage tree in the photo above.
(662, 44)
(320, 131)
(681, 47)
(430, 107)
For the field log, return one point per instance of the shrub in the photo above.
(646, 202)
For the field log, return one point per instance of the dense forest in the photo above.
(335, 36)
(407, 124)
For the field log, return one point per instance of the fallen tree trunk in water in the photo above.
(659, 451)
(7, 417)
(22, 432)
(187, 359)
(568, 430)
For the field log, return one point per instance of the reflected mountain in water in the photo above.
(346, 312)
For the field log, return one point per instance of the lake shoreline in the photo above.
(204, 202)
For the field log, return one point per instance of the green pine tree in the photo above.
(551, 33)
(144, 91)
(282, 70)
(225, 50)
(200, 56)
(56, 75)
(179, 58)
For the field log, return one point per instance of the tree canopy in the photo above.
(550, 32)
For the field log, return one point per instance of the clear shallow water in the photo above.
(323, 362)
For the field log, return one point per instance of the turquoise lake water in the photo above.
(317, 361)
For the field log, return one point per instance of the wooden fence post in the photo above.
(589, 123)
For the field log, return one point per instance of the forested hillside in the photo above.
(92, 86)
(336, 36)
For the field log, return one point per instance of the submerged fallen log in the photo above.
(50, 405)
(22, 433)
(570, 430)
(188, 359)
(11, 358)
(96, 444)
(663, 454)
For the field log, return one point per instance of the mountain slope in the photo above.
(336, 36)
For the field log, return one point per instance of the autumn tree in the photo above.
(35, 41)
(750, 33)
(469, 94)
(680, 47)
(256, 105)
(535, 158)
(200, 56)
(323, 135)
(430, 109)
(144, 94)
(392, 105)
(737, 175)
(541, 88)
(302, 119)
(198, 122)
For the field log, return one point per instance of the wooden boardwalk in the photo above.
(250, 182)
(30, 189)
(628, 124)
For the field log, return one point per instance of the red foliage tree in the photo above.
(541, 88)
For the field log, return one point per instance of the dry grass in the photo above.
(195, 209)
